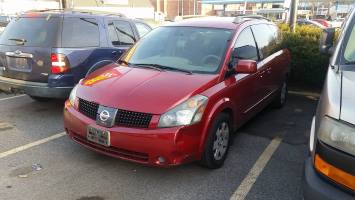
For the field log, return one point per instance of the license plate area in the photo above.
(98, 136)
(18, 64)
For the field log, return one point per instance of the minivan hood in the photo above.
(142, 90)
(348, 98)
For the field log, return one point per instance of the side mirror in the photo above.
(326, 40)
(246, 67)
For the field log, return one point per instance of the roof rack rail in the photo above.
(241, 18)
(66, 9)
(116, 14)
(46, 10)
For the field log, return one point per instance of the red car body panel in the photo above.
(151, 91)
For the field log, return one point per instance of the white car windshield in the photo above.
(349, 53)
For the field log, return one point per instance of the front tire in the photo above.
(217, 144)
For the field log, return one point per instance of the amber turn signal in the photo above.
(334, 173)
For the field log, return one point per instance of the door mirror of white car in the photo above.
(327, 41)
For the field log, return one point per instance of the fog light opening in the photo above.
(161, 160)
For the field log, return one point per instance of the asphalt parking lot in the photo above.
(35, 167)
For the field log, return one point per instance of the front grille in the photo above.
(123, 117)
(133, 119)
(88, 108)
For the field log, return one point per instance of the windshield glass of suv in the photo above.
(36, 32)
(349, 53)
(195, 49)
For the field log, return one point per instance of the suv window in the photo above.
(349, 53)
(113, 34)
(142, 29)
(264, 38)
(80, 32)
(36, 32)
(121, 33)
(245, 47)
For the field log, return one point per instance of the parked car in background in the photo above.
(179, 94)
(307, 22)
(337, 22)
(45, 53)
(330, 168)
(324, 22)
(4, 21)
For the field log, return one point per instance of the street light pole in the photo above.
(293, 15)
(63, 4)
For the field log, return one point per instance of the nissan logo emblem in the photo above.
(104, 115)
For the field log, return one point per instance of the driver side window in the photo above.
(245, 46)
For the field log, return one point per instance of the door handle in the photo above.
(261, 74)
(114, 52)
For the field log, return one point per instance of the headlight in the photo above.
(72, 96)
(338, 135)
(188, 112)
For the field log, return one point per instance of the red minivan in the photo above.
(179, 93)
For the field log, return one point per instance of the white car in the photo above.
(337, 23)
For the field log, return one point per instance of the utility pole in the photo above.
(63, 4)
(293, 15)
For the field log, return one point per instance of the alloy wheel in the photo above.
(220, 144)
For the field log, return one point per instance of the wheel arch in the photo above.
(224, 105)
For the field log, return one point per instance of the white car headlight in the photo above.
(338, 135)
(186, 113)
(72, 96)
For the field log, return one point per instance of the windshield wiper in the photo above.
(150, 66)
(22, 41)
(139, 65)
(166, 68)
(124, 62)
(350, 62)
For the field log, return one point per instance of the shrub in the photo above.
(308, 65)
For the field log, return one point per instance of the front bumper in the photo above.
(176, 145)
(316, 188)
(33, 88)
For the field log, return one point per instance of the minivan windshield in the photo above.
(36, 32)
(349, 53)
(185, 49)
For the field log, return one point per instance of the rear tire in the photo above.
(281, 96)
(218, 142)
(40, 99)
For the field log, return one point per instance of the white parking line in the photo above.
(7, 98)
(254, 173)
(30, 145)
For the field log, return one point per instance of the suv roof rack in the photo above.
(61, 10)
(241, 18)
(77, 11)
(116, 14)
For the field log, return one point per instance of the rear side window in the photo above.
(245, 47)
(121, 33)
(265, 39)
(142, 29)
(80, 32)
(35, 32)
